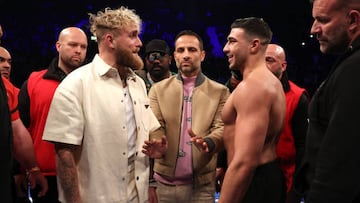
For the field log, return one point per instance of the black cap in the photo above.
(157, 45)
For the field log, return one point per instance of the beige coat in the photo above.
(166, 100)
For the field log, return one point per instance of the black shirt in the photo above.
(6, 147)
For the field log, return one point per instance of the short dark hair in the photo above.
(192, 33)
(254, 26)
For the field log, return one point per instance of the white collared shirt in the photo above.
(89, 109)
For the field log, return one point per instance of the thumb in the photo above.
(191, 133)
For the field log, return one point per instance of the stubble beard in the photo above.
(71, 64)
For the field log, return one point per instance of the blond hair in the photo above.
(112, 19)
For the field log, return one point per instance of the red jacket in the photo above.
(286, 147)
(41, 92)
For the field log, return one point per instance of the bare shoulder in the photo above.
(257, 85)
(258, 89)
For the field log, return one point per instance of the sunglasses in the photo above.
(156, 55)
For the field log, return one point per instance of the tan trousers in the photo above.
(185, 193)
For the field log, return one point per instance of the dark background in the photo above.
(31, 29)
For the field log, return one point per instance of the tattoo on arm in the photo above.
(66, 171)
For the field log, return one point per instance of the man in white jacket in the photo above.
(100, 116)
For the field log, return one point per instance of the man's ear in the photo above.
(354, 20)
(109, 39)
(254, 45)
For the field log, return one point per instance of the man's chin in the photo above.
(156, 73)
(232, 68)
(5, 74)
(137, 63)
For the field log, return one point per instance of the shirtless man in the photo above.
(254, 117)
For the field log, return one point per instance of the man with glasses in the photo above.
(157, 62)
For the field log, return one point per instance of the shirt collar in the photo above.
(104, 69)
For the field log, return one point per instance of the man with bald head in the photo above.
(36, 94)
(15, 139)
(5, 62)
(291, 145)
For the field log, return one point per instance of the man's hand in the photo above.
(155, 148)
(198, 141)
(37, 178)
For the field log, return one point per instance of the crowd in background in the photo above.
(252, 144)
(31, 39)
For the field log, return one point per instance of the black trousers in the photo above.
(268, 185)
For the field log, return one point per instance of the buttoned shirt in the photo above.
(88, 109)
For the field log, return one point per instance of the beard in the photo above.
(160, 72)
(278, 73)
(338, 44)
(128, 59)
